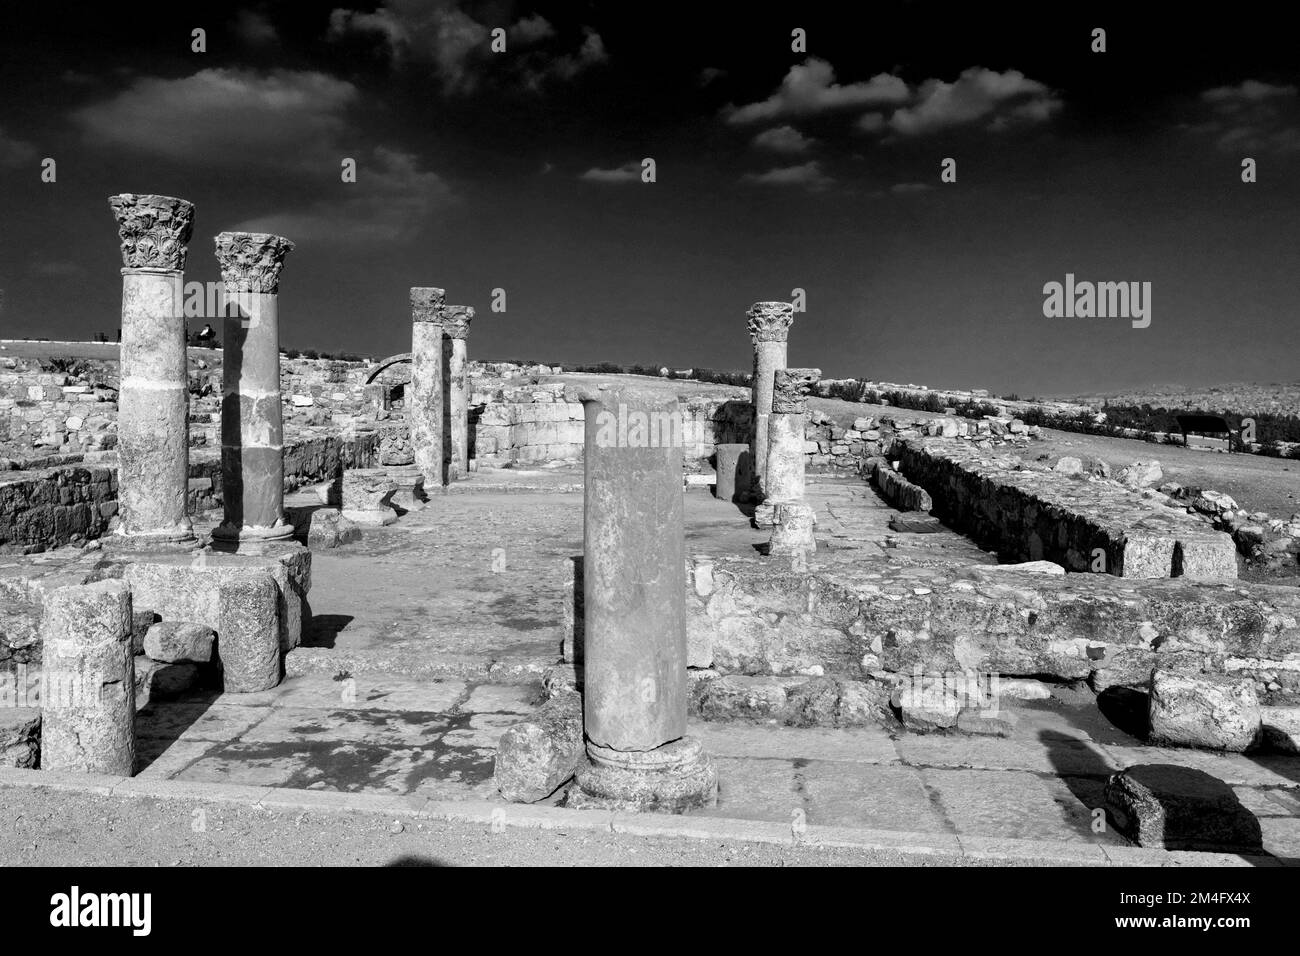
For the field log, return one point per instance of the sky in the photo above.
(794, 146)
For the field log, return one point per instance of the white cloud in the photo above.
(224, 117)
(975, 95)
(392, 199)
(809, 175)
(783, 139)
(810, 89)
(1249, 91)
(439, 34)
(627, 173)
(1251, 116)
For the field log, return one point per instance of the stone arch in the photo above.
(379, 367)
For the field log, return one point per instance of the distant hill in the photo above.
(1237, 397)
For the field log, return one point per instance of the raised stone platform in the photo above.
(1027, 514)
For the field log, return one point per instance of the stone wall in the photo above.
(1079, 522)
(72, 503)
(750, 617)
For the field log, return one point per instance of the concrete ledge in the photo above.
(489, 814)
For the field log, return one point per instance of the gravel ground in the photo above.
(57, 828)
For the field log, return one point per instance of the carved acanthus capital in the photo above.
(456, 320)
(426, 304)
(770, 321)
(251, 261)
(790, 388)
(155, 230)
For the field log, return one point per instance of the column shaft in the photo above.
(424, 400)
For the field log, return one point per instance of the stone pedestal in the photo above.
(88, 680)
(733, 471)
(423, 398)
(153, 401)
(367, 493)
(638, 756)
(455, 330)
(793, 531)
(409, 495)
(769, 325)
(252, 435)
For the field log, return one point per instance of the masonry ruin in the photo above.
(787, 560)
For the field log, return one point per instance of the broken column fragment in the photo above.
(455, 330)
(731, 470)
(252, 433)
(637, 753)
(248, 633)
(785, 463)
(424, 400)
(88, 680)
(153, 402)
(769, 326)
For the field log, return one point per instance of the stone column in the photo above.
(153, 402)
(252, 433)
(731, 475)
(455, 330)
(785, 430)
(88, 680)
(637, 753)
(423, 398)
(769, 324)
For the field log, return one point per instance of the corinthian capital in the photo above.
(790, 388)
(251, 261)
(770, 321)
(154, 230)
(426, 304)
(456, 320)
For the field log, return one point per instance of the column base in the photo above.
(178, 540)
(674, 778)
(793, 531)
(250, 539)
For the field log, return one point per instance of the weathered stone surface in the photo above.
(20, 737)
(769, 326)
(88, 691)
(915, 522)
(793, 532)
(184, 588)
(455, 328)
(987, 723)
(248, 629)
(1281, 727)
(535, 757)
(1158, 805)
(329, 529)
(900, 492)
(828, 702)
(733, 471)
(1027, 514)
(740, 697)
(178, 642)
(367, 489)
(1141, 474)
(159, 680)
(425, 399)
(926, 706)
(1216, 712)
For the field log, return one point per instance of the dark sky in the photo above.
(775, 170)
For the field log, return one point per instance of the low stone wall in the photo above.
(1027, 514)
(53, 507)
(747, 616)
(896, 489)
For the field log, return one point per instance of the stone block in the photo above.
(535, 757)
(248, 629)
(329, 529)
(1178, 808)
(20, 737)
(1207, 710)
(1209, 556)
(179, 642)
(159, 680)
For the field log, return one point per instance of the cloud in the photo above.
(1249, 91)
(810, 89)
(1251, 116)
(627, 173)
(254, 28)
(870, 122)
(977, 94)
(709, 74)
(224, 117)
(784, 139)
(808, 175)
(14, 152)
(438, 34)
(530, 30)
(392, 199)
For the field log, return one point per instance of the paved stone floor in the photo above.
(439, 649)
